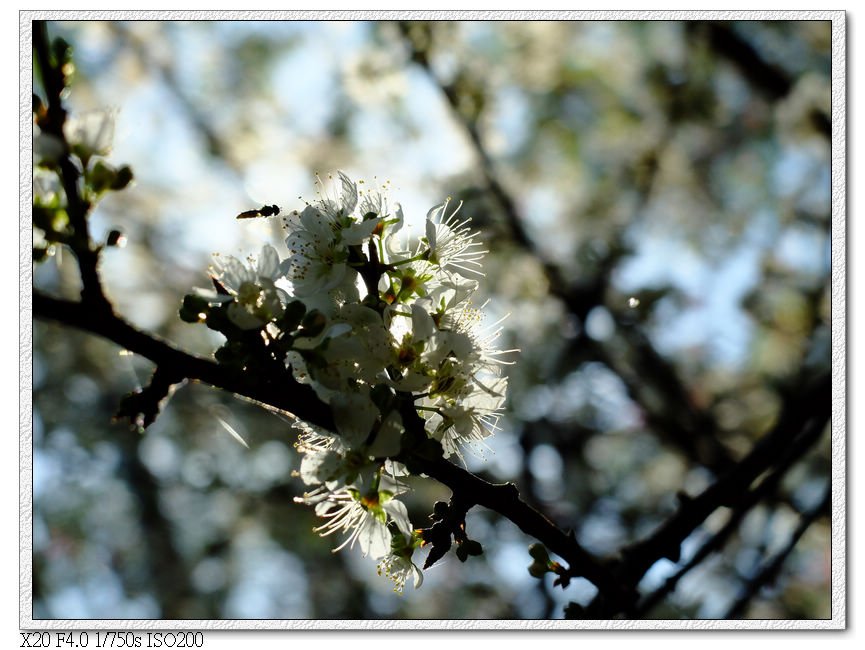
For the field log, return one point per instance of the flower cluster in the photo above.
(382, 327)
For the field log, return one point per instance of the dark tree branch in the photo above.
(769, 573)
(285, 395)
(143, 406)
(800, 426)
(76, 207)
(716, 542)
(300, 401)
(505, 500)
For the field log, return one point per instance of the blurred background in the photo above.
(655, 197)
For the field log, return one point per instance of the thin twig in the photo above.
(801, 424)
(769, 573)
(767, 487)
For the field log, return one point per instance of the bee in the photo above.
(264, 211)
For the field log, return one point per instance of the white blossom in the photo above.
(255, 298)
(399, 568)
(452, 245)
(317, 259)
(91, 133)
(363, 516)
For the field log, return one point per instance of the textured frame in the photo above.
(838, 327)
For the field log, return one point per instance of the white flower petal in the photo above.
(268, 262)
(399, 514)
(374, 538)
(354, 415)
(318, 467)
(387, 440)
(421, 322)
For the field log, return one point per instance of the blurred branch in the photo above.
(769, 573)
(646, 376)
(692, 431)
(216, 146)
(168, 574)
(575, 300)
(769, 79)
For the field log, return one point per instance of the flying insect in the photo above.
(264, 211)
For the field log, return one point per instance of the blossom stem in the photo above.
(409, 260)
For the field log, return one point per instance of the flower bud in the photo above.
(539, 553)
(312, 324)
(123, 178)
(102, 177)
(115, 238)
(538, 569)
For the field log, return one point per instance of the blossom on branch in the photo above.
(377, 324)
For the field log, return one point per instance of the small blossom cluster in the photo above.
(86, 141)
(379, 325)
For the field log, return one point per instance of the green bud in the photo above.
(101, 177)
(188, 316)
(196, 303)
(194, 309)
(123, 178)
(312, 324)
(539, 553)
(62, 50)
(218, 320)
(538, 569)
(292, 316)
